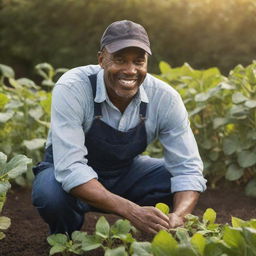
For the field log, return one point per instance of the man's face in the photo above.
(124, 71)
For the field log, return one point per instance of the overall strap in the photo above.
(143, 110)
(97, 106)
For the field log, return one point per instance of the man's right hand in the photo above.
(148, 219)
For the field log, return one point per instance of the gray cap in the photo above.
(123, 34)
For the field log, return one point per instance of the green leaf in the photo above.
(182, 235)
(206, 144)
(17, 165)
(141, 249)
(230, 145)
(4, 222)
(233, 238)
(6, 71)
(238, 97)
(164, 244)
(48, 83)
(119, 251)
(2, 235)
(3, 160)
(246, 158)
(220, 121)
(236, 222)
(34, 144)
(4, 186)
(198, 242)
(164, 208)
(4, 117)
(165, 67)
(250, 189)
(57, 239)
(27, 83)
(3, 100)
(36, 113)
(196, 110)
(121, 227)
(209, 216)
(57, 248)
(250, 103)
(238, 112)
(90, 242)
(102, 227)
(234, 172)
(78, 236)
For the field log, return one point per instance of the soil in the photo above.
(27, 234)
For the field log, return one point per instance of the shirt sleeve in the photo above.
(69, 152)
(181, 154)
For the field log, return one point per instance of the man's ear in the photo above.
(100, 58)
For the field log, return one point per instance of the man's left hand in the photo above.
(175, 220)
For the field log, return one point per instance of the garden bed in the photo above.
(27, 234)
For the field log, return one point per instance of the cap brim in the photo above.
(121, 44)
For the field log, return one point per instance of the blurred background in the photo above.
(66, 33)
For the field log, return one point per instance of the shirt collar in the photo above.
(101, 92)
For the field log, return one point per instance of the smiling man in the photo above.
(103, 118)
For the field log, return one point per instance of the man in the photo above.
(103, 117)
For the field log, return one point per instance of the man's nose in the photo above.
(130, 69)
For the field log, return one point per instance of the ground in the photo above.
(27, 234)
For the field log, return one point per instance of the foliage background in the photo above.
(66, 33)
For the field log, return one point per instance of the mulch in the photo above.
(27, 234)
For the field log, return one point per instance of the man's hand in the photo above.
(149, 219)
(175, 220)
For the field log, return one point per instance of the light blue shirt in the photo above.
(167, 120)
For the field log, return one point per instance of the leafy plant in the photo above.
(9, 170)
(114, 240)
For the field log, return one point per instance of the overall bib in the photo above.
(114, 155)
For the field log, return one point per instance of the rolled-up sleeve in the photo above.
(69, 151)
(181, 154)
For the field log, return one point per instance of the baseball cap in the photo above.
(123, 34)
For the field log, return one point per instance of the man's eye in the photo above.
(140, 61)
(119, 60)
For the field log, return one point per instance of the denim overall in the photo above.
(114, 155)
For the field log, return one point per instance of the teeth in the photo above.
(127, 82)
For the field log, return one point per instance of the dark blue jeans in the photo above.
(146, 183)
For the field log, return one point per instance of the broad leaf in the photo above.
(119, 251)
(164, 208)
(230, 145)
(209, 216)
(121, 227)
(246, 158)
(17, 165)
(165, 67)
(141, 249)
(6, 71)
(198, 242)
(250, 103)
(250, 189)
(34, 144)
(234, 172)
(57, 239)
(238, 97)
(90, 242)
(236, 222)
(57, 249)
(102, 227)
(4, 186)
(3, 160)
(4, 117)
(4, 222)
(164, 244)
